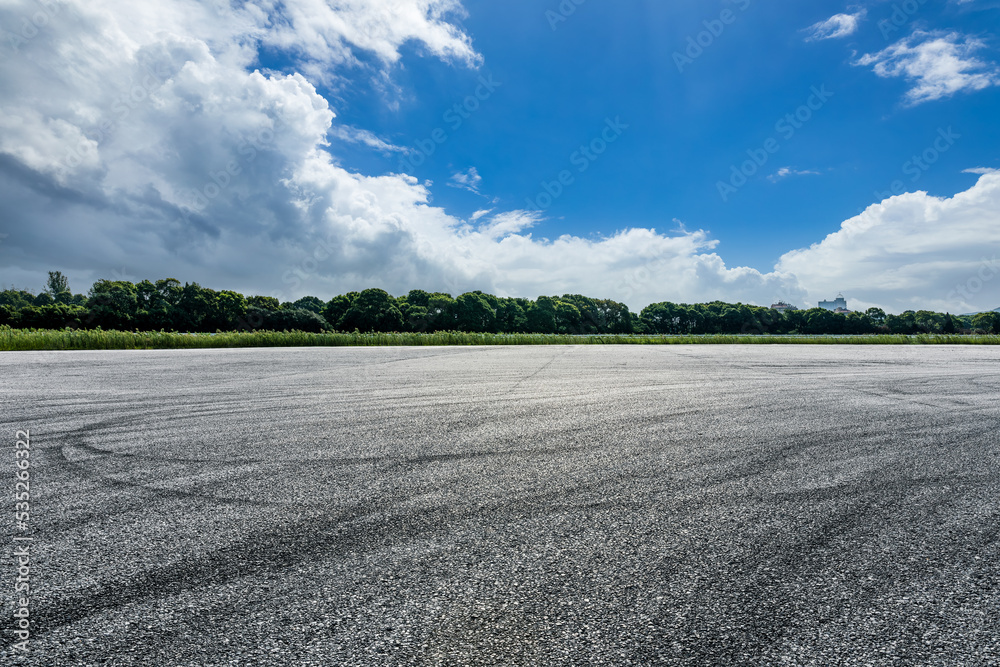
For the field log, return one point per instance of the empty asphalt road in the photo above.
(705, 505)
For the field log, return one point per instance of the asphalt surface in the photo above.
(704, 505)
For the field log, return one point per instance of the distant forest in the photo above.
(167, 305)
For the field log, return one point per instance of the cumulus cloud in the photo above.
(912, 251)
(141, 137)
(980, 170)
(936, 65)
(838, 25)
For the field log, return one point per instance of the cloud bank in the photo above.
(141, 137)
(912, 251)
(144, 137)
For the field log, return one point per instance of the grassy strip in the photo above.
(37, 339)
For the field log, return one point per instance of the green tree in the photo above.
(373, 310)
(264, 303)
(53, 316)
(441, 312)
(591, 319)
(413, 306)
(310, 303)
(473, 312)
(904, 323)
(929, 322)
(8, 316)
(769, 321)
(568, 318)
(294, 319)
(57, 287)
(876, 315)
(661, 318)
(511, 315)
(822, 321)
(731, 319)
(337, 307)
(151, 311)
(113, 304)
(613, 317)
(988, 322)
(858, 323)
(227, 310)
(712, 316)
(16, 298)
(195, 304)
(541, 316)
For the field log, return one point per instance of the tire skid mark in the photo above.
(758, 617)
(385, 362)
(334, 462)
(284, 547)
(898, 483)
(913, 398)
(273, 551)
(96, 451)
(539, 369)
(80, 468)
(160, 492)
(805, 440)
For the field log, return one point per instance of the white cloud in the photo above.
(356, 135)
(507, 224)
(912, 251)
(936, 65)
(328, 33)
(137, 136)
(467, 180)
(138, 139)
(981, 170)
(785, 172)
(838, 25)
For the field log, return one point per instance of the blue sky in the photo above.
(686, 128)
(644, 110)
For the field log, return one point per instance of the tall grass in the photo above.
(38, 339)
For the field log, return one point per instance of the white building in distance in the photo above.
(840, 303)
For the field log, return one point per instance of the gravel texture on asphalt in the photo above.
(703, 505)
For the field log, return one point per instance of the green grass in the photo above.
(36, 339)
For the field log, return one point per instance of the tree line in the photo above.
(168, 305)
